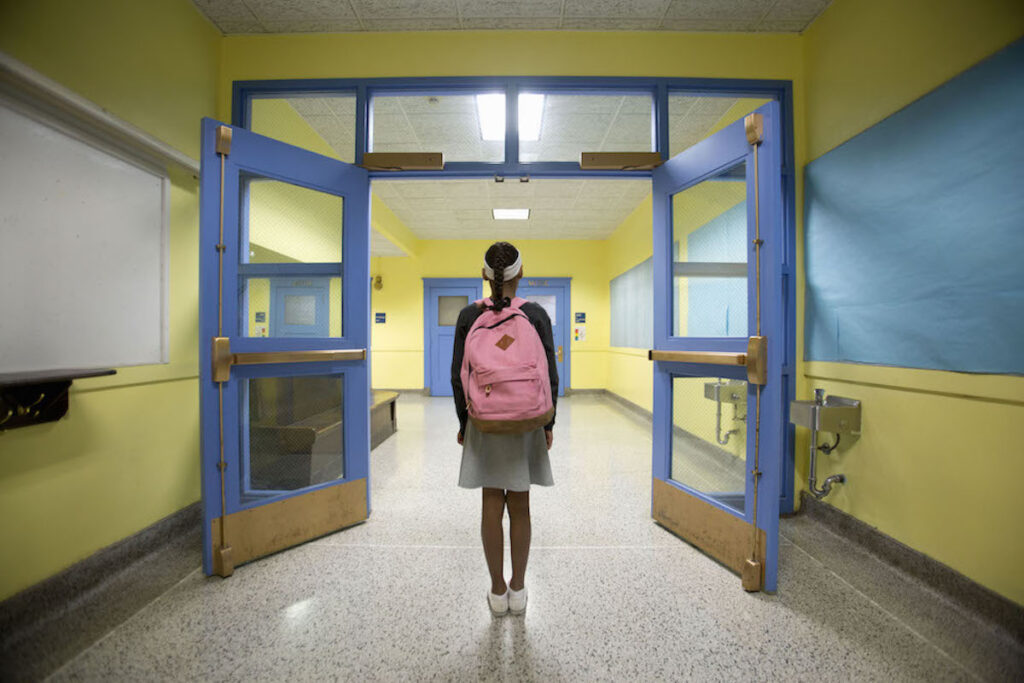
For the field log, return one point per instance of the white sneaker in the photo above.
(517, 601)
(498, 603)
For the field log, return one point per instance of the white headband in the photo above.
(509, 273)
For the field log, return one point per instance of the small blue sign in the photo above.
(580, 317)
(379, 317)
(261, 316)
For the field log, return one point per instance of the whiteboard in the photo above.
(83, 252)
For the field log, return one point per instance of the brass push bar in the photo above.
(754, 359)
(223, 359)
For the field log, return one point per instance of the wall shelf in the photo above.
(30, 398)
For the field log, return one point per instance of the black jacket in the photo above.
(467, 316)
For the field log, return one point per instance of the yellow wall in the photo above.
(935, 445)
(127, 454)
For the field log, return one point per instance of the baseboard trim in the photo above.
(47, 624)
(965, 592)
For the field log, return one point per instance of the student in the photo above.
(504, 465)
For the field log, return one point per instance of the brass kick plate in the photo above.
(619, 161)
(403, 161)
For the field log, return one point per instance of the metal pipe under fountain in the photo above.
(836, 415)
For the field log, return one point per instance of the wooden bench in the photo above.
(383, 421)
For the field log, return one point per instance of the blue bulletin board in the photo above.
(914, 232)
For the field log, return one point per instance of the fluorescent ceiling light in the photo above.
(490, 110)
(531, 108)
(510, 214)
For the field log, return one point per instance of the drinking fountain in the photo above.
(833, 414)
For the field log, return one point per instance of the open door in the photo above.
(284, 368)
(719, 316)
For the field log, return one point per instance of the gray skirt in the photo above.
(504, 461)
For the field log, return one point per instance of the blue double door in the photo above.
(284, 339)
(443, 298)
(722, 346)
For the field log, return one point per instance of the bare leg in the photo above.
(519, 535)
(493, 537)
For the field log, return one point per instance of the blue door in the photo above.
(553, 295)
(284, 378)
(443, 298)
(299, 307)
(721, 344)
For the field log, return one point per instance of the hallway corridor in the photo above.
(612, 595)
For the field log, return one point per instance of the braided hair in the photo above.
(499, 256)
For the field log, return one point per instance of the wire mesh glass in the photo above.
(693, 118)
(293, 435)
(709, 436)
(462, 127)
(449, 307)
(285, 223)
(558, 127)
(321, 123)
(710, 247)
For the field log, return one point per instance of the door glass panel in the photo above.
(290, 307)
(300, 310)
(284, 223)
(547, 302)
(709, 244)
(692, 118)
(293, 434)
(709, 436)
(462, 127)
(321, 123)
(448, 308)
(554, 127)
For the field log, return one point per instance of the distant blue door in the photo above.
(443, 298)
(553, 295)
(299, 307)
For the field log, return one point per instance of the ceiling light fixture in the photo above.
(490, 110)
(510, 214)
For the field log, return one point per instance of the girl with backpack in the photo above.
(505, 384)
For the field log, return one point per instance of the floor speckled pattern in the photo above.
(612, 595)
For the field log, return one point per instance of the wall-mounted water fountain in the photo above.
(833, 414)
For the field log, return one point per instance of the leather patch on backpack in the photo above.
(505, 342)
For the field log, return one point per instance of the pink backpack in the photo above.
(505, 373)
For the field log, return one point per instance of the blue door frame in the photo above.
(559, 287)
(280, 291)
(224, 413)
(363, 89)
(768, 406)
(438, 340)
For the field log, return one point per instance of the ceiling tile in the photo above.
(237, 26)
(510, 23)
(783, 25)
(224, 9)
(382, 246)
(715, 25)
(807, 10)
(311, 25)
(616, 8)
(510, 8)
(405, 9)
(719, 10)
(319, 10)
(423, 24)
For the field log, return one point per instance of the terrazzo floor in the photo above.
(612, 595)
